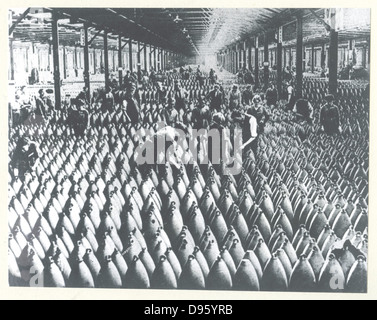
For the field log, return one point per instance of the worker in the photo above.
(79, 118)
(250, 134)
(171, 114)
(271, 95)
(247, 95)
(180, 96)
(215, 98)
(43, 105)
(25, 157)
(303, 110)
(329, 117)
(260, 113)
(234, 98)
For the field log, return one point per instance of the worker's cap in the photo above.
(131, 85)
(235, 86)
(329, 97)
(248, 86)
(217, 85)
(49, 91)
(79, 102)
(218, 117)
(257, 99)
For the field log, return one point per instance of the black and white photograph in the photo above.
(209, 149)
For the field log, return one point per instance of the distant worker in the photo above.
(234, 98)
(25, 157)
(170, 113)
(108, 101)
(43, 105)
(330, 118)
(215, 98)
(201, 115)
(84, 96)
(248, 77)
(247, 95)
(212, 77)
(250, 134)
(271, 95)
(303, 110)
(260, 113)
(180, 95)
(79, 118)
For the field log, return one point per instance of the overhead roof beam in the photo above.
(320, 20)
(21, 17)
(140, 26)
(94, 37)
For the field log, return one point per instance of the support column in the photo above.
(86, 60)
(234, 61)
(130, 54)
(106, 58)
(55, 49)
(120, 60)
(365, 57)
(75, 59)
(333, 65)
(138, 62)
(94, 61)
(11, 59)
(237, 60)
(155, 59)
(266, 62)
(299, 56)
(145, 58)
(279, 67)
(64, 62)
(244, 57)
(256, 63)
(323, 56)
(150, 57)
(164, 60)
(249, 62)
(313, 58)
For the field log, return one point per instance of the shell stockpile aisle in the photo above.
(295, 219)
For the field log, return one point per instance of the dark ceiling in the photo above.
(190, 31)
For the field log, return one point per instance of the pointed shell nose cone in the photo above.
(284, 259)
(342, 224)
(263, 253)
(174, 262)
(81, 276)
(303, 278)
(331, 278)
(109, 276)
(192, 277)
(219, 278)
(164, 276)
(357, 280)
(53, 277)
(346, 260)
(246, 277)
(316, 261)
(92, 263)
(148, 262)
(274, 276)
(136, 276)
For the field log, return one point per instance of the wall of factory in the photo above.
(29, 56)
